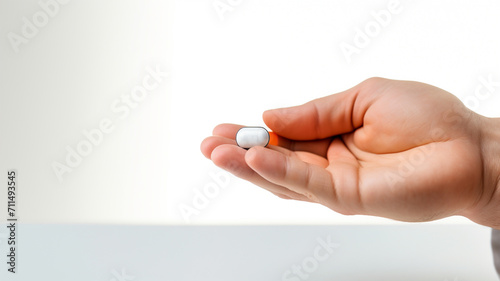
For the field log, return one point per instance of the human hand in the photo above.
(397, 149)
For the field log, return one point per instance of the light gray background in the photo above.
(228, 253)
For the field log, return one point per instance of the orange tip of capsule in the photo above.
(273, 138)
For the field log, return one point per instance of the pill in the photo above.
(247, 137)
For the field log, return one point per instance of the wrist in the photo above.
(488, 212)
(490, 148)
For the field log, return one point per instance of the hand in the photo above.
(397, 149)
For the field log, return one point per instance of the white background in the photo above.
(258, 55)
(267, 54)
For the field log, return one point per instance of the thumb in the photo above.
(320, 118)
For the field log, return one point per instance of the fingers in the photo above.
(222, 134)
(210, 143)
(312, 181)
(324, 117)
(222, 150)
(226, 133)
(226, 130)
(232, 159)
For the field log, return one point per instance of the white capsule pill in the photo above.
(247, 137)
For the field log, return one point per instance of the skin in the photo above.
(397, 149)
